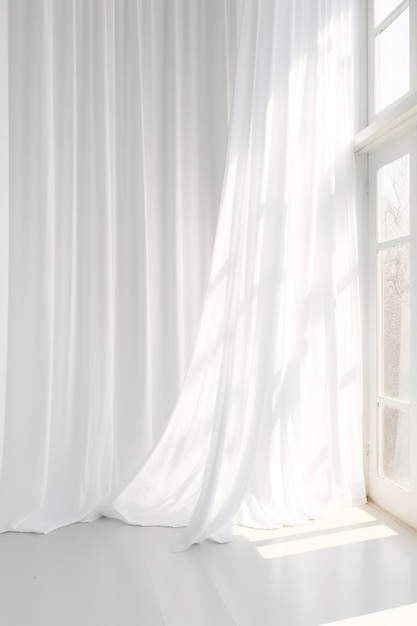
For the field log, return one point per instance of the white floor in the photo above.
(355, 567)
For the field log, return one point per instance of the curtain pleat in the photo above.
(145, 375)
(118, 128)
(267, 428)
(4, 208)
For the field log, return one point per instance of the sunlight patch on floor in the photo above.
(337, 519)
(404, 615)
(321, 542)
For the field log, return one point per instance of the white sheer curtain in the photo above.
(4, 207)
(117, 128)
(267, 429)
(118, 118)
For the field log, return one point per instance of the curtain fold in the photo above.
(4, 207)
(134, 388)
(267, 428)
(118, 127)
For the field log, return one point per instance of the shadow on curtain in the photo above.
(117, 129)
(267, 429)
(267, 426)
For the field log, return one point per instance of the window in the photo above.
(388, 143)
(391, 250)
(391, 30)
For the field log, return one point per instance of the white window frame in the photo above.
(382, 136)
(399, 501)
(373, 32)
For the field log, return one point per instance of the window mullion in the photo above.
(391, 243)
(413, 45)
(391, 17)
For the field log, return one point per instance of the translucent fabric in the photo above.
(118, 120)
(117, 130)
(267, 428)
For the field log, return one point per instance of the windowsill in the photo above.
(389, 124)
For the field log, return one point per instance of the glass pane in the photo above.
(395, 301)
(392, 55)
(395, 461)
(382, 8)
(394, 199)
